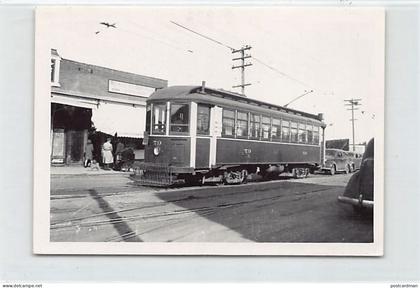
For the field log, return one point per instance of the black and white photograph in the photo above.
(209, 130)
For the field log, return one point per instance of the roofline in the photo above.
(119, 71)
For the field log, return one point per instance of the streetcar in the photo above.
(196, 134)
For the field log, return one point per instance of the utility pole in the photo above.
(353, 103)
(242, 58)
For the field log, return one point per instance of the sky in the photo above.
(336, 52)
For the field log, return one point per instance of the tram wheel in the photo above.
(235, 177)
(299, 173)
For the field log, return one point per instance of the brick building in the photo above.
(93, 102)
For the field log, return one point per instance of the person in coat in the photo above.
(118, 150)
(88, 153)
(107, 157)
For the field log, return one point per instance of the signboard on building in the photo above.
(129, 89)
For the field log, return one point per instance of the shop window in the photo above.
(285, 131)
(265, 127)
(159, 118)
(302, 133)
(203, 119)
(255, 126)
(179, 118)
(242, 124)
(228, 123)
(294, 132)
(276, 130)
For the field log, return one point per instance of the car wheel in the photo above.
(347, 170)
(332, 170)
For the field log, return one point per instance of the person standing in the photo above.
(118, 150)
(88, 153)
(107, 157)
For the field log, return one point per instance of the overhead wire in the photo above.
(202, 35)
(281, 73)
(155, 39)
(232, 49)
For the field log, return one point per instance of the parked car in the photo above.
(337, 160)
(356, 159)
(359, 189)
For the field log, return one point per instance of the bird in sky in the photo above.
(108, 25)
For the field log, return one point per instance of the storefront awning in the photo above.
(65, 100)
(125, 120)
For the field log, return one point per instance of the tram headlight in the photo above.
(156, 151)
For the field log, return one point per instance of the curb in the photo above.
(91, 174)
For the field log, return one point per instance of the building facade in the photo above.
(93, 102)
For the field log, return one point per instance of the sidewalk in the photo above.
(80, 170)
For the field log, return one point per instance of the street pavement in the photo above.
(114, 208)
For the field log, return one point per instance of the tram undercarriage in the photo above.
(154, 174)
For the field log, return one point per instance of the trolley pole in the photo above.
(353, 103)
(242, 66)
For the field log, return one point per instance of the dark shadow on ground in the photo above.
(116, 220)
(277, 212)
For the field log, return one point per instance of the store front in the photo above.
(71, 126)
(90, 102)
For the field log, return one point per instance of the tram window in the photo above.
(293, 132)
(203, 119)
(179, 118)
(265, 127)
(228, 122)
(255, 126)
(148, 115)
(275, 130)
(285, 131)
(316, 135)
(302, 133)
(159, 118)
(242, 124)
(309, 133)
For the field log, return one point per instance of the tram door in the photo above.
(216, 120)
(200, 136)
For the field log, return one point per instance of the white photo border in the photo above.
(41, 204)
